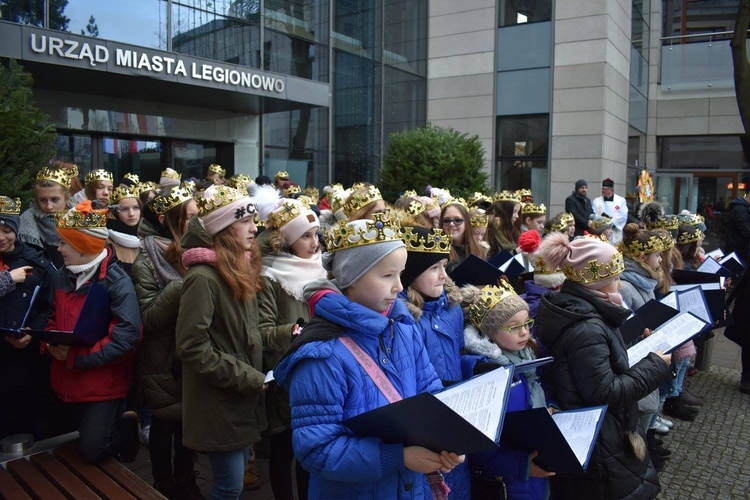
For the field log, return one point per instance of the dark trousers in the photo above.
(165, 435)
(280, 468)
(745, 357)
(21, 413)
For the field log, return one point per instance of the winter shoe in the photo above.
(745, 384)
(691, 399)
(675, 408)
(665, 421)
(129, 425)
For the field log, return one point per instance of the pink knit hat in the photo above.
(221, 206)
(589, 262)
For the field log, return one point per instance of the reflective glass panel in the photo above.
(295, 56)
(75, 149)
(405, 35)
(523, 92)
(510, 12)
(141, 157)
(523, 47)
(300, 18)
(702, 152)
(523, 136)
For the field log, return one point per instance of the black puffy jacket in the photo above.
(591, 368)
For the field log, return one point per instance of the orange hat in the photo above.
(84, 228)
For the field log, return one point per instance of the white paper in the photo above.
(579, 429)
(692, 301)
(671, 334)
(518, 258)
(269, 377)
(704, 286)
(671, 301)
(715, 254)
(729, 257)
(480, 400)
(710, 266)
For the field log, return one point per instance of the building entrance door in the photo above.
(675, 192)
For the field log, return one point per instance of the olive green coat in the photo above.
(220, 346)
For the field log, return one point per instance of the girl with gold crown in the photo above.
(157, 276)
(99, 186)
(24, 373)
(291, 259)
(93, 382)
(454, 221)
(122, 225)
(357, 316)
(502, 233)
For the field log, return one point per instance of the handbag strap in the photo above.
(372, 369)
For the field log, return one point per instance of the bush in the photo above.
(439, 156)
(27, 140)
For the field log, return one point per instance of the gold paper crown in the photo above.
(224, 195)
(667, 222)
(410, 192)
(142, 187)
(306, 201)
(313, 193)
(10, 206)
(431, 205)
(282, 175)
(239, 181)
(358, 185)
(132, 177)
(599, 223)
(524, 193)
(567, 218)
(189, 185)
(415, 208)
(540, 266)
(358, 200)
(479, 220)
(506, 196)
(293, 189)
(171, 173)
(349, 235)
(333, 189)
(636, 248)
(290, 209)
(338, 199)
(559, 225)
(690, 236)
(477, 198)
(595, 270)
(258, 223)
(691, 220)
(491, 295)
(455, 201)
(215, 168)
(99, 175)
(434, 242)
(58, 175)
(532, 209)
(74, 219)
(166, 202)
(667, 241)
(120, 193)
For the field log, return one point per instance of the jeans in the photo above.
(164, 435)
(228, 468)
(682, 368)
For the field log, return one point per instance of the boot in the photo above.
(656, 446)
(186, 487)
(250, 481)
(745, 384)
(675, 408)
(167, 488)
(691, 399)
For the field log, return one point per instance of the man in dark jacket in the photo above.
(738, 226)
(579, 205)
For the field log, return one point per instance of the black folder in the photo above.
(92, 324)
(651, 315)
(716, 300)
(535, 430)
(682, 277)
(424, 420)
(500, 258)
(475, 271)
(17, 333)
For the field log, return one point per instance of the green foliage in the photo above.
(439, 156)
(25, 12)
(27, 140)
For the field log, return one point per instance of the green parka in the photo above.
(220, 346)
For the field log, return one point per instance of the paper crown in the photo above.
(358, 185)
(667, 241)
(58, 175)
(596, 271)
(540, 266)
(215, 168)
(567, 218)
(667, 222)
(506, 196)
(171, 173)
(359, 233)
(361, 199)
(636, 248)
(600, 223)
(455, 201)
(558, 225)
(132, 177)
(284, 175)
(532, 209)
(189, 185)
(120, 193)
(239, 181)
(306, 201)
(491, 295)
(166, 202)
(313, 193)
(99, 175)
(333, 189)
(223, 195)
(293, 189)
(691, 234)
(410, 193)
(434, 242)
(415, 208)
(10, 206)
(290, 209)
(691, 220)
(82, 217)
(478, 198)
(258, 223)
(525, 194)
(338, 199)
(142, 187)
(479, 220)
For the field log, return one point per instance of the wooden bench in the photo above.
(63, 474)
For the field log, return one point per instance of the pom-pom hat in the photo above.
(587, 261)
(222, 206)
(84, 228)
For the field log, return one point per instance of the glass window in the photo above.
(75, 149)
(141, 157)
(31, 12)
(700, 16)
(405, 35)
(295, 56)
(523, 47)
(510, 12)
(404, 101)
(301, 18)
(523, 136)
(702, 152)
(306, 167)
(355, 27)
(523, 92)
(191, 159)
(203, 33)
(298, 129)
(523, 174)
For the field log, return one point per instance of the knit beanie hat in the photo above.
(84, 228)
(544, 275)
(357, 246)
(589, 262)
(426, 247)
(291, 217)
(492, 306)
(10, 210)
(221, 206)
(169, 178)
(580, 183)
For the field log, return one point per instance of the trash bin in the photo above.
(705, 350)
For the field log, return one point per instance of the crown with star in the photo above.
(506, 196)
(434, 242)
(132, 177)
(170, 173)
(99, 175)
(637, 248)
(57, 175)
(215, 168)
(477, 198)
(120, 193)
(81, 217)
(691, 234)
(222, 195)
(166, 202)
(363, 232)
(290, 209)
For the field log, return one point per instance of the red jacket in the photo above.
(104, 371)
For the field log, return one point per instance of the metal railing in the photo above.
(714, 35)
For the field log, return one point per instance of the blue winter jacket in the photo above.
(327, 385)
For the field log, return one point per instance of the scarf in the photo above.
(156, 250)
(476, 343)
(38, 228)
(614, 298)
(84, 272)
(292, 273)
(202, 255)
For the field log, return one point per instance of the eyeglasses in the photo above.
(455, 222)
(517, 329)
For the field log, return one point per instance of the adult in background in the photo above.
(579, 205)
(738, 225)
(613, 205)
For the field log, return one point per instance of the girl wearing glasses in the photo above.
(454, 221)
(497, 332)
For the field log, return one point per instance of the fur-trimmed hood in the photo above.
(452, 295)
(478, 344)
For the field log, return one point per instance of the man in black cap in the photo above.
(613, 205)
(579, 205)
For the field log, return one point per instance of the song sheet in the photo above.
(667, 337)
